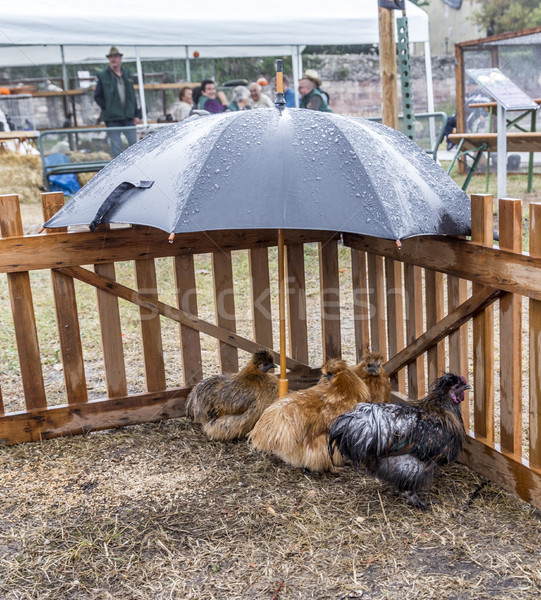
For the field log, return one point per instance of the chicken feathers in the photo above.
(371, 371)
(228, 406)
(403, 444)
(295, 428)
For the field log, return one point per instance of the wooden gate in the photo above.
(434, 304)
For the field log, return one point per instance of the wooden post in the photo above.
(361, 303)
(261, 296)
(387, 67)
(22, 307)
(376, 294)
(414, 327)
(296, 303)
(395, 318)
(330, 299)
(510, 226)
(224, 302)
(434, 313)
(483, 328)
(535, 347)
(66, 315)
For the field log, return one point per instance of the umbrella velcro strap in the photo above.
(113, 200)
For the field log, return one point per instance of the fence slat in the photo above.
(510, 230)
(330, 299)
(535, 347)
(361, 303)
(22, 308)
(261, 296)
(395, 318)
(376, 293)
(483, 329)
(67, 317)
(151, 331)
(457, 292)
(190, 339)
(224, 302)
(296, 303)
(111, 336)
(434, 312)
(414, 327)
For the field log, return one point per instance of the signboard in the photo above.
(391, 4)
(502, 89)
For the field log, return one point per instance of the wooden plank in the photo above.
(440, 330)
(130, 243)
(296, 302)
(126, 293)
(190, 339)
(111, 335)
(516, 142)
(510, 230)
(457, 292)
(509, 271)
(22, 308)
(261, 296)
(434, 313)
(395, 319)
(414, 326)
(361, 303)
(535, 347)
(67, 317)
(151, 331)
(483, 330)
(94, 415)
(376, 294)
(330, 299)
(224, 303)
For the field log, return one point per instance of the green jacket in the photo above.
(108, 99)
(315, 100)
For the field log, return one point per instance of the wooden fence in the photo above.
(414, 303)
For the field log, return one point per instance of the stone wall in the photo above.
(353, 82)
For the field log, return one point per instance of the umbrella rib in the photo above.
(176, 314)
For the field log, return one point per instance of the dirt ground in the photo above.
(159, 512)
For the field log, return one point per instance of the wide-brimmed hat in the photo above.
(312, 75)
(114, 52)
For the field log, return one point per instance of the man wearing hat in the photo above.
(312, 75)
(115, 95)
(311, 97)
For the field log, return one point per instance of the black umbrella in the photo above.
(281, 169)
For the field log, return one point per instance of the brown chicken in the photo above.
(371, 371)
(295, 428)
(228, 406)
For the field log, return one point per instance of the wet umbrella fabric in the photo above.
(262, 169)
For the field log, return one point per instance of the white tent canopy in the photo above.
(42, 32)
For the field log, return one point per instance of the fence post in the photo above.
(510, 235)
(22, 308)
(535, 346)
(483, 328)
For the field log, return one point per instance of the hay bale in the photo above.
(21, 174)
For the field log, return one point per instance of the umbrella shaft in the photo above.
(282, 305)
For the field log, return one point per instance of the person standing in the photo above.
(115, 95)
(312, 98)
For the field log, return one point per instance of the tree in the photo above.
(503, 16)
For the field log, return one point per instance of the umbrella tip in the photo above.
(398, 244)
(41, 229)
(171, 238)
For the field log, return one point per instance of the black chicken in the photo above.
(403, 444)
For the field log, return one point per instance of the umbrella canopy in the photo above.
(264, 169)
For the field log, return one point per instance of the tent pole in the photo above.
(141, 85)
(295, 64)
(188, 71)
(65, 81)
(387, 67)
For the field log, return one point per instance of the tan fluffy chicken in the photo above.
(228, 406)
(295, 428)
(371, 371)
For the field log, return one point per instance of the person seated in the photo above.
(240, 98)
(211, 100)
(182, 109)
(259, 100)
(312, 98)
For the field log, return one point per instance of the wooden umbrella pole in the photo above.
(282, 382)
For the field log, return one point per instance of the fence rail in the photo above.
(435, 304)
